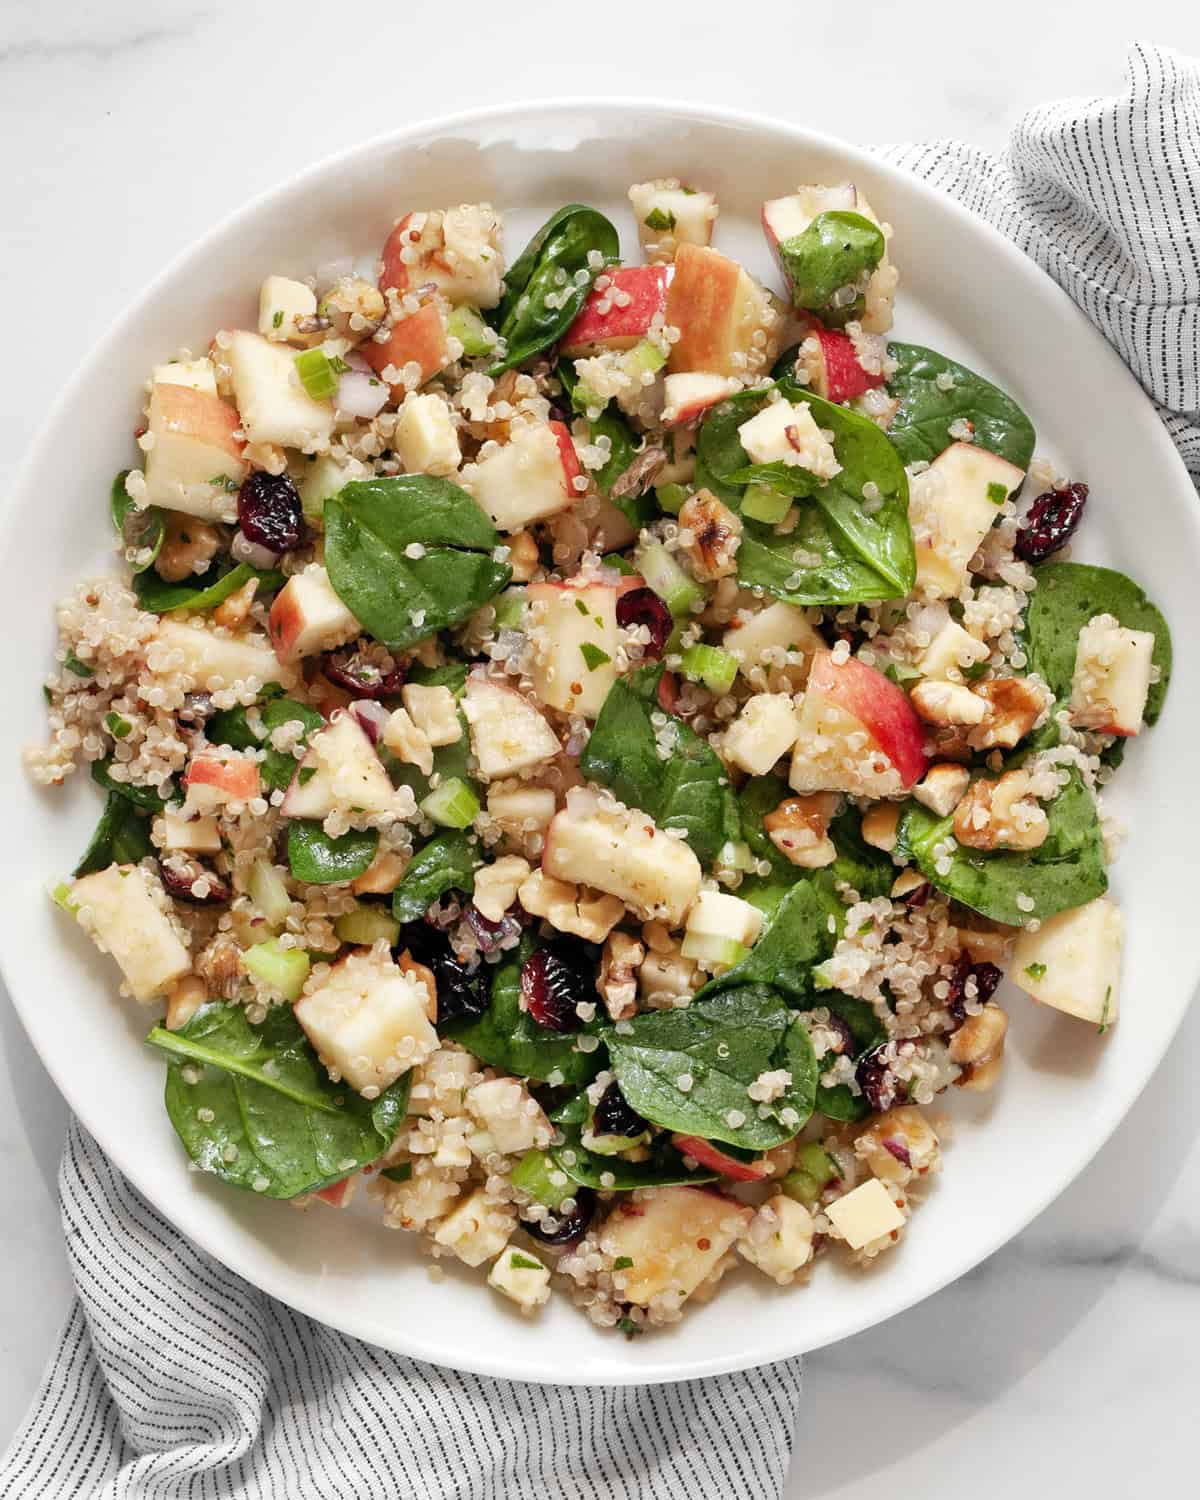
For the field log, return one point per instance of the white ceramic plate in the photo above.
(963, 290)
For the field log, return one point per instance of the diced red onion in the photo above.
(899, 1150)
(371, 717)
(245, 551)
(360, 394)
(355, 360)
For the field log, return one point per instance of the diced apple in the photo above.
(688, 396)
(779, 1241)
(282, 302)
(425, 437)
(274, 406)
(858, 732)
(196, 374)
(606, 322)
(434, 712)
(340, 769)
(622, 852)
(765, 729)
(1113, 670)
(528, 478)
(478, 1228)
(951, 651)
(711, 1156)
(212, 782)
(338, 1194)
(669, 215)
(833, 365)
(198, 835)
(766, 639)
(195, 455)
(322, 478)
(783, 218)
(574, 631)
(952, 506)
(718, 308)
(508, 734)
(419, 340)
(674, 1238)
(307, 617)
(367, 1021)
(214, 661)
(510, 1114)
(457, 249)
(1073, 961)
(719, 929)
(866, 1214)
(786, 432)
(512, 807)
(521, 1277)
(125, 911)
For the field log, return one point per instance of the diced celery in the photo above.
(663, 574)
(715, 668)
(366, 924)
(670, 498)
(737, 857)
(322, 478)
(584, 400)
(812, 1171)
(452, 804)
(317, 374)
(707, 948)
(645, 358)
(534, 1173)
(284, 969)
(465, 325)
(510, 609)
(269, 893)
(762, 503)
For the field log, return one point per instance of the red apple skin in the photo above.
(336, 1193)
(668, 692)
(420, 337)
(838, 376)
(700, 303)
(396, 273)
(572, 468)
(880, 707)
(712, 1157)
(200, 415)
(236, 778)
(284, 623)
(620, 327)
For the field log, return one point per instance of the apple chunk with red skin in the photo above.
(718, 307)
(418, 339)
(834, 371)
(716, 1160)
(340, 769)
(457, 249)
(604, 324)
(530, 477)
(211, 782)
(195, 444)
(575, 644)
(686, 397)
(846, 701)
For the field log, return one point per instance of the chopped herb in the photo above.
(338, 365)
(399, 1173)
(73, 664)
(997, 493)
(657, 218)
(521, 1262)
(277, 320)
(622, 1263)
(593, 656)
(1036, 971)
(867, 926)
(1104, 1012)
(223, 482)
(306, 774)
(627, 1325)
(581, 606)
(118, 727)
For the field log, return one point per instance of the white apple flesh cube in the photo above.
(198, 835)
(952, 506)
(521, 1277)
(669, 215)
(508, 734)
(720, 928)
(511, 1115)
(457, 250)
(196, 374)
(718, 308)
(526, 479)
(212, 661)
(688, 396)
(574, 634)
(674, 1239)
(1073, 961)
(779, 1240)
(765, 729)
(951, 651)
(367, 1021)
(621, 852)
(785, 432)
(518, 810)
(193, 452)
(477, 1229)
(282, 302)
(307, 617)
(866, 1214)
(425, 437)
(858, 732)
(766, 638)
(340, 770)
(274, 406)
(1113, 671)
(125, 911)
(434, 712)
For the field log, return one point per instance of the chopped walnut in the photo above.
(383, 874)
(403, 738)
(496, 885)
(571, 908)
(977, 1047)
(879, 825)
(1001, 814)
(947, 703)
(710, 534)
(186, 997)
(942, 787)
(219, 965)
(186, 543)
(1014, 706)
(799, 829)
(235, 611)
(407, 964)
(623, 956)
(523, 556)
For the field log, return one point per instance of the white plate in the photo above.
(963, 290)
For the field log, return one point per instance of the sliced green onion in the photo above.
(670, 498)
(80, 668)
(465, 325)
(284, 969)
(317, 374)
(452, 805)
(510, 609)
(645, 358)
(117, 726)
(366, 924)
(762, 503)
(715, 668)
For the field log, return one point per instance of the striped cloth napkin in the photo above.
(174, 1378)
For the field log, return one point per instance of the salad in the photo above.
(583, 738)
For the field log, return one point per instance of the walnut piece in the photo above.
(1001, 814)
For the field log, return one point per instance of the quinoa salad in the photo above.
(582, 739)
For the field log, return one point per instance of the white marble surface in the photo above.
(1068, 1359)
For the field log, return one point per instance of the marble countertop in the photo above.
(124, 131)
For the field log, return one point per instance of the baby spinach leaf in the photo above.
(795, 937)
(122, 837)
(611, 1174)
(719, 451)
(638, 510)
(317, 859)
(838, 1102)
(452, 675)
(834, 251)
(869, 871)
(270, 1112)
(230, 726)
(506, 1037)
(1067, 870)
(760, 796)
(1068, 594)
(209, 590)
(541, 296)
(722, 1042)
(446, 863)
(401, 599)
(138, 529)
(921, 426)
(144, 797)
(689, 790)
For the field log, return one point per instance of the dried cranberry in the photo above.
(179, 875)
(1050, 523)
(363, 670)
(644, 607)
(880, 1086)
(614, 1115)
(918, 895)
(462, 993)
(845, 1037)
(269, 511)
(986, 977)
(567, 1227)
(555, 981)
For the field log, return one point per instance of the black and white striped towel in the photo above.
(174, 1378)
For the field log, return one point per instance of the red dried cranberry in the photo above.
(986, 977)
(462, 993)
(1051, 521)
(361, 669)
(179, 874)
(269, 511)
(918, 895)
(845, 1037)
(880, 1086)
(644, 607)
(566, 1227)
(555, 981)
(614, 1115)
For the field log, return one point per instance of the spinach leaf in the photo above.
(638, 510)
(795, 937)
(759, 796)
(833, 252)
(144, 797)
(505, 1036)
(722, 1042)
(838, 1102)
(138, 529)
(452, 675)
(869, 871)
(446, 863)
(401, 599)
(122, 837)
(209, 590)
(1068, 594)
(921, 426)
(719, 451)
(317, 859)
(273, 1108)
(541, 297)
(231, 727)
(1068, 870)
(610, 1174)
(689, 790)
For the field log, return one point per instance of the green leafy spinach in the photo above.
(921, 426)
(446, 863)
(230, 726)
(796, 936)
(837, 250)
(209, 590)
(317, 859)
(140, 530)
(611, 1174)
(122, 837)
